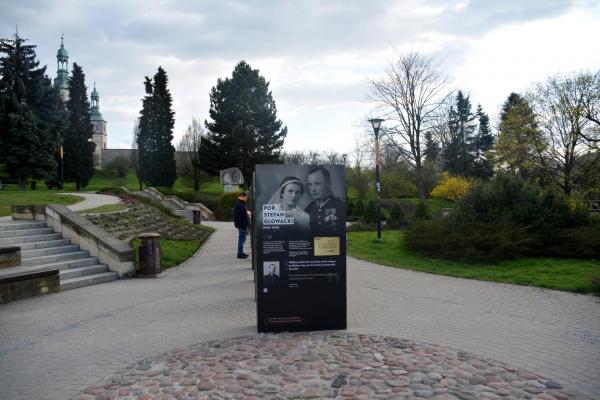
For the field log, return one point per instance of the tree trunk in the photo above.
(420, 183)
(22, 183)
(77, 185)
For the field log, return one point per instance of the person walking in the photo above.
(241, 221)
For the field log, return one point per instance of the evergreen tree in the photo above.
(458, 155)
(77, 143)
(359, 209)
(397, 218)
(31, 113)
(432, 150)
(484, 141)
(156, 153)
(519, 138)
(244, 129)
(370, 214)
(422, 212)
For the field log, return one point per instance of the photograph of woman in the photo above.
(288, 194)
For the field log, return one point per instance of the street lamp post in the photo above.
(62, 169)
(376, 122)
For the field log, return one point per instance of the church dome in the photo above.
(62, 52)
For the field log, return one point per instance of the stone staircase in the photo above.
(180, 207)
(178, 210)
(42, 248)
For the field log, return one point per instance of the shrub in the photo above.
(580, 242)
(422, 212)
(397, 219)
(596, 284)
(117, 191)
(482, 242)
(523, 203)
(349, 207)
(370, 214)
(394, 184)
(507, 218)
(119, 166)
(451, 187)
(359, 209)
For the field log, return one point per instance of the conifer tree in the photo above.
(244, 129)
(459, 154)
(156, 152)
(484, 141)
(31, 113)
(77, 143)
(519, 138)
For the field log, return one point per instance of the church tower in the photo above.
(61, 82)
(99, 128)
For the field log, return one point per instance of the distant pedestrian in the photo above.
(241, 220)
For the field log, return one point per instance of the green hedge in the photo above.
(508, 218)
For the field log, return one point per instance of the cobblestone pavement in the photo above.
(321, 365)
(54, 346)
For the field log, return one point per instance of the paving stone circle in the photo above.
(330, 365)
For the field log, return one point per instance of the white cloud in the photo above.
(515, 57)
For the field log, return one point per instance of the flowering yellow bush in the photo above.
(452, 187)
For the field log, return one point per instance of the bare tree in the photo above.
(591, 105)
(408, 96)
(188, 153)
(560, 105)
(293, 158)
(134, 153)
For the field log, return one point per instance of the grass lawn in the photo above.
(212, 186)
(9, 198)
(561, 274)
(104, 209)
(173, 252)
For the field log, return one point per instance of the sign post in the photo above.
(300, 247)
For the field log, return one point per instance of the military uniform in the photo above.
(326, 215)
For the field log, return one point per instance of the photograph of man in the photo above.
(271, 271)
(325, 210)
(241, 220)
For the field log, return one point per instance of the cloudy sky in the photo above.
(317, 55)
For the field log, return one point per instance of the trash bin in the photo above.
(149, 252)
(197, 217)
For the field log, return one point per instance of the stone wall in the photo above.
(110, 251)
(110, 154)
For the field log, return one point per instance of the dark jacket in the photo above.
(319, 221)
(240, 216)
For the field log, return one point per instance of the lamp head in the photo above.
(376, 122)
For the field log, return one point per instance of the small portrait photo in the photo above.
(271, 273)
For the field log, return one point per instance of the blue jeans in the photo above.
(241, 240)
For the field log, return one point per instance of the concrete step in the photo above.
(49, 250)
(20, 225)
(25, 232)
(81, 271)
(29, 239)
(81, 262)
(87, 280)
(170, 204)
(44, 245)
(55, 258)
(187, 214)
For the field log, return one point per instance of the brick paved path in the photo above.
(54, 346)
